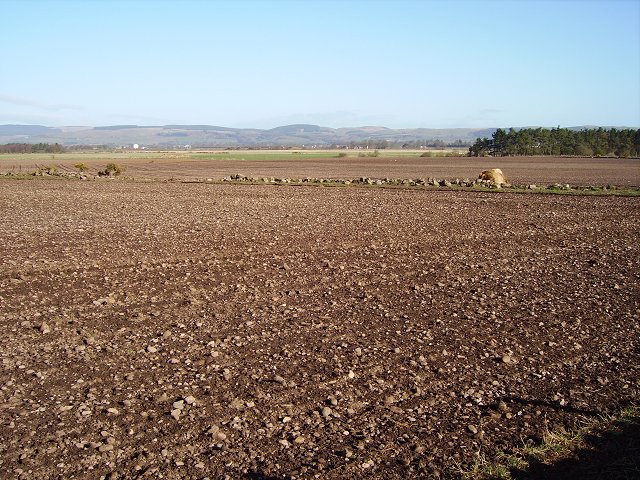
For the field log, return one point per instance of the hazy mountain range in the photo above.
(213, 136)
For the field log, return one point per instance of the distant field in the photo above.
(197, 165)
(142, 155)
(260, 155)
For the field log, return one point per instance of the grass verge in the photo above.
(604, 448)
(620, 191)
(465, 186)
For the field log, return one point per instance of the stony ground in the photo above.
(198, 166)
(520, 170)
(168, 330)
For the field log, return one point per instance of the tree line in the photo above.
(597, 142)
(32, 148)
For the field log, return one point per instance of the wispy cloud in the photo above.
(29, 102)
(489, 111)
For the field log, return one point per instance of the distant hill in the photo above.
(296, 129)
(10, 130)
(117, 127)
(171, 136)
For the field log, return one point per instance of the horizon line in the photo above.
(177, 125)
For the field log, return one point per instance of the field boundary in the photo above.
(605, 447)
(431, 184)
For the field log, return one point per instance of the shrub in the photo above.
(342, 155)
(82, 167)
(112, 170)
(46, 170)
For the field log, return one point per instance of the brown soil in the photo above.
(201, 330)
(519, 170)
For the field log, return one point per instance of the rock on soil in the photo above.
(294, 332)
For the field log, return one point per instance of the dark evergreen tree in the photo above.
(559, 141)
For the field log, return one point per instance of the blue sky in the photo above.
(264, 63)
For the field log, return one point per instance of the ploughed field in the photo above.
(390, 164)
(520, 170)
(253, 331)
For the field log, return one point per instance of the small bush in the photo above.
(46, 170)
(342, 155)
(112, 170)
(82, 167)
